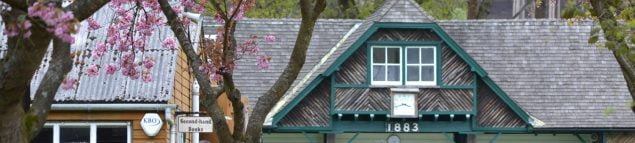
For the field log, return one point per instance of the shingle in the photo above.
(548, 68)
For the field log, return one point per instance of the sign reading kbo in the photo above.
(194, 124)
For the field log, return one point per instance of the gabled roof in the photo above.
(116, 87)
(548, 68)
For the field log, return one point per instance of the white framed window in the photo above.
(386, 65)
(421, 65)
(85, 132)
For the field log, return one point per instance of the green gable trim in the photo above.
(475, 67)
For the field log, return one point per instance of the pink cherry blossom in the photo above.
(270, 38)
(148, 63)
(69, 83)
(263, 62)
(147, 78)
(92, 24)
(99, 50)
(111, 69)
(169, 43)
(92, 70)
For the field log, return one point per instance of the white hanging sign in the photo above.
(151, 124)
(194, 124)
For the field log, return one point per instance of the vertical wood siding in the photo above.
(313, 110)
(354, 69)
(493, 112)
(455, 70)
(430, 100)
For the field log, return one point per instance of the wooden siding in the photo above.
(362, 99)
(182, 84)
(445, 100)
(455, 71)
(405, 35)
(313, 110)
(354, 69)
(621, 137)
(493, 112)
(378, 99)
(134, 117)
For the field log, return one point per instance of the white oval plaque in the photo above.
(151, 124)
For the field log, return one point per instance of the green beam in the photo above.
(403, 43)
(493, 140)
(457, 86)
(450, 138)
(350, 85)
(353, 138)
(580, 138)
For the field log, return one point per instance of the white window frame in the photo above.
(434, 66)
(93, 128)
(386, 64)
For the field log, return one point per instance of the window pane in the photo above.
(112, 134)
(379, 73)
(427, 55)
(413, 55)
(75, 134)
(379, 55)
(413, 73)
(45, 136)
(393, 73)
(427, 73)
(393, 55)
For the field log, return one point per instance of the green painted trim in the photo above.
(403, 43)
(297, 99)
(351, 86)
(368, 64)
(308, 138)
(493, 140)
(580, 138)
(380, 127)
(500, 129)
(475, 96)
(457, 86)
(605, 137)
(403, 64)
(439, 64)
(388, 112)
(353, 138)
(333, 94)
(502, 95)
(300, 129)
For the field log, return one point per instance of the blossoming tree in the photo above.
(32, 25)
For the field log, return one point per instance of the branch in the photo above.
(219, 10)
(83, 9)
(18, 4)
(59, 65)
(272, 96)
(209, 102)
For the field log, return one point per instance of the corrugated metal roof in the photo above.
(114, 88)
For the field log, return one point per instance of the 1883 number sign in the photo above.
(402, 127)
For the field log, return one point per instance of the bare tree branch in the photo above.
(310, 11)
(59, 65)
(18, 4)
(209, 102)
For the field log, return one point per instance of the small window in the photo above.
(421, 65)
(386, 65)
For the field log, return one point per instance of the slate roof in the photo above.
(114, 88)
(254, 82)
(548, 67)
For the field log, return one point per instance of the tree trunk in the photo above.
(478, 9)
(10, 122)
(472, 9)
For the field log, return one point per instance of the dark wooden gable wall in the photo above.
(493, 112)
(313, 111)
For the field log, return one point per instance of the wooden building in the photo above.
(401, 76)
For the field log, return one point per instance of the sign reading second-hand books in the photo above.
(194, 124)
